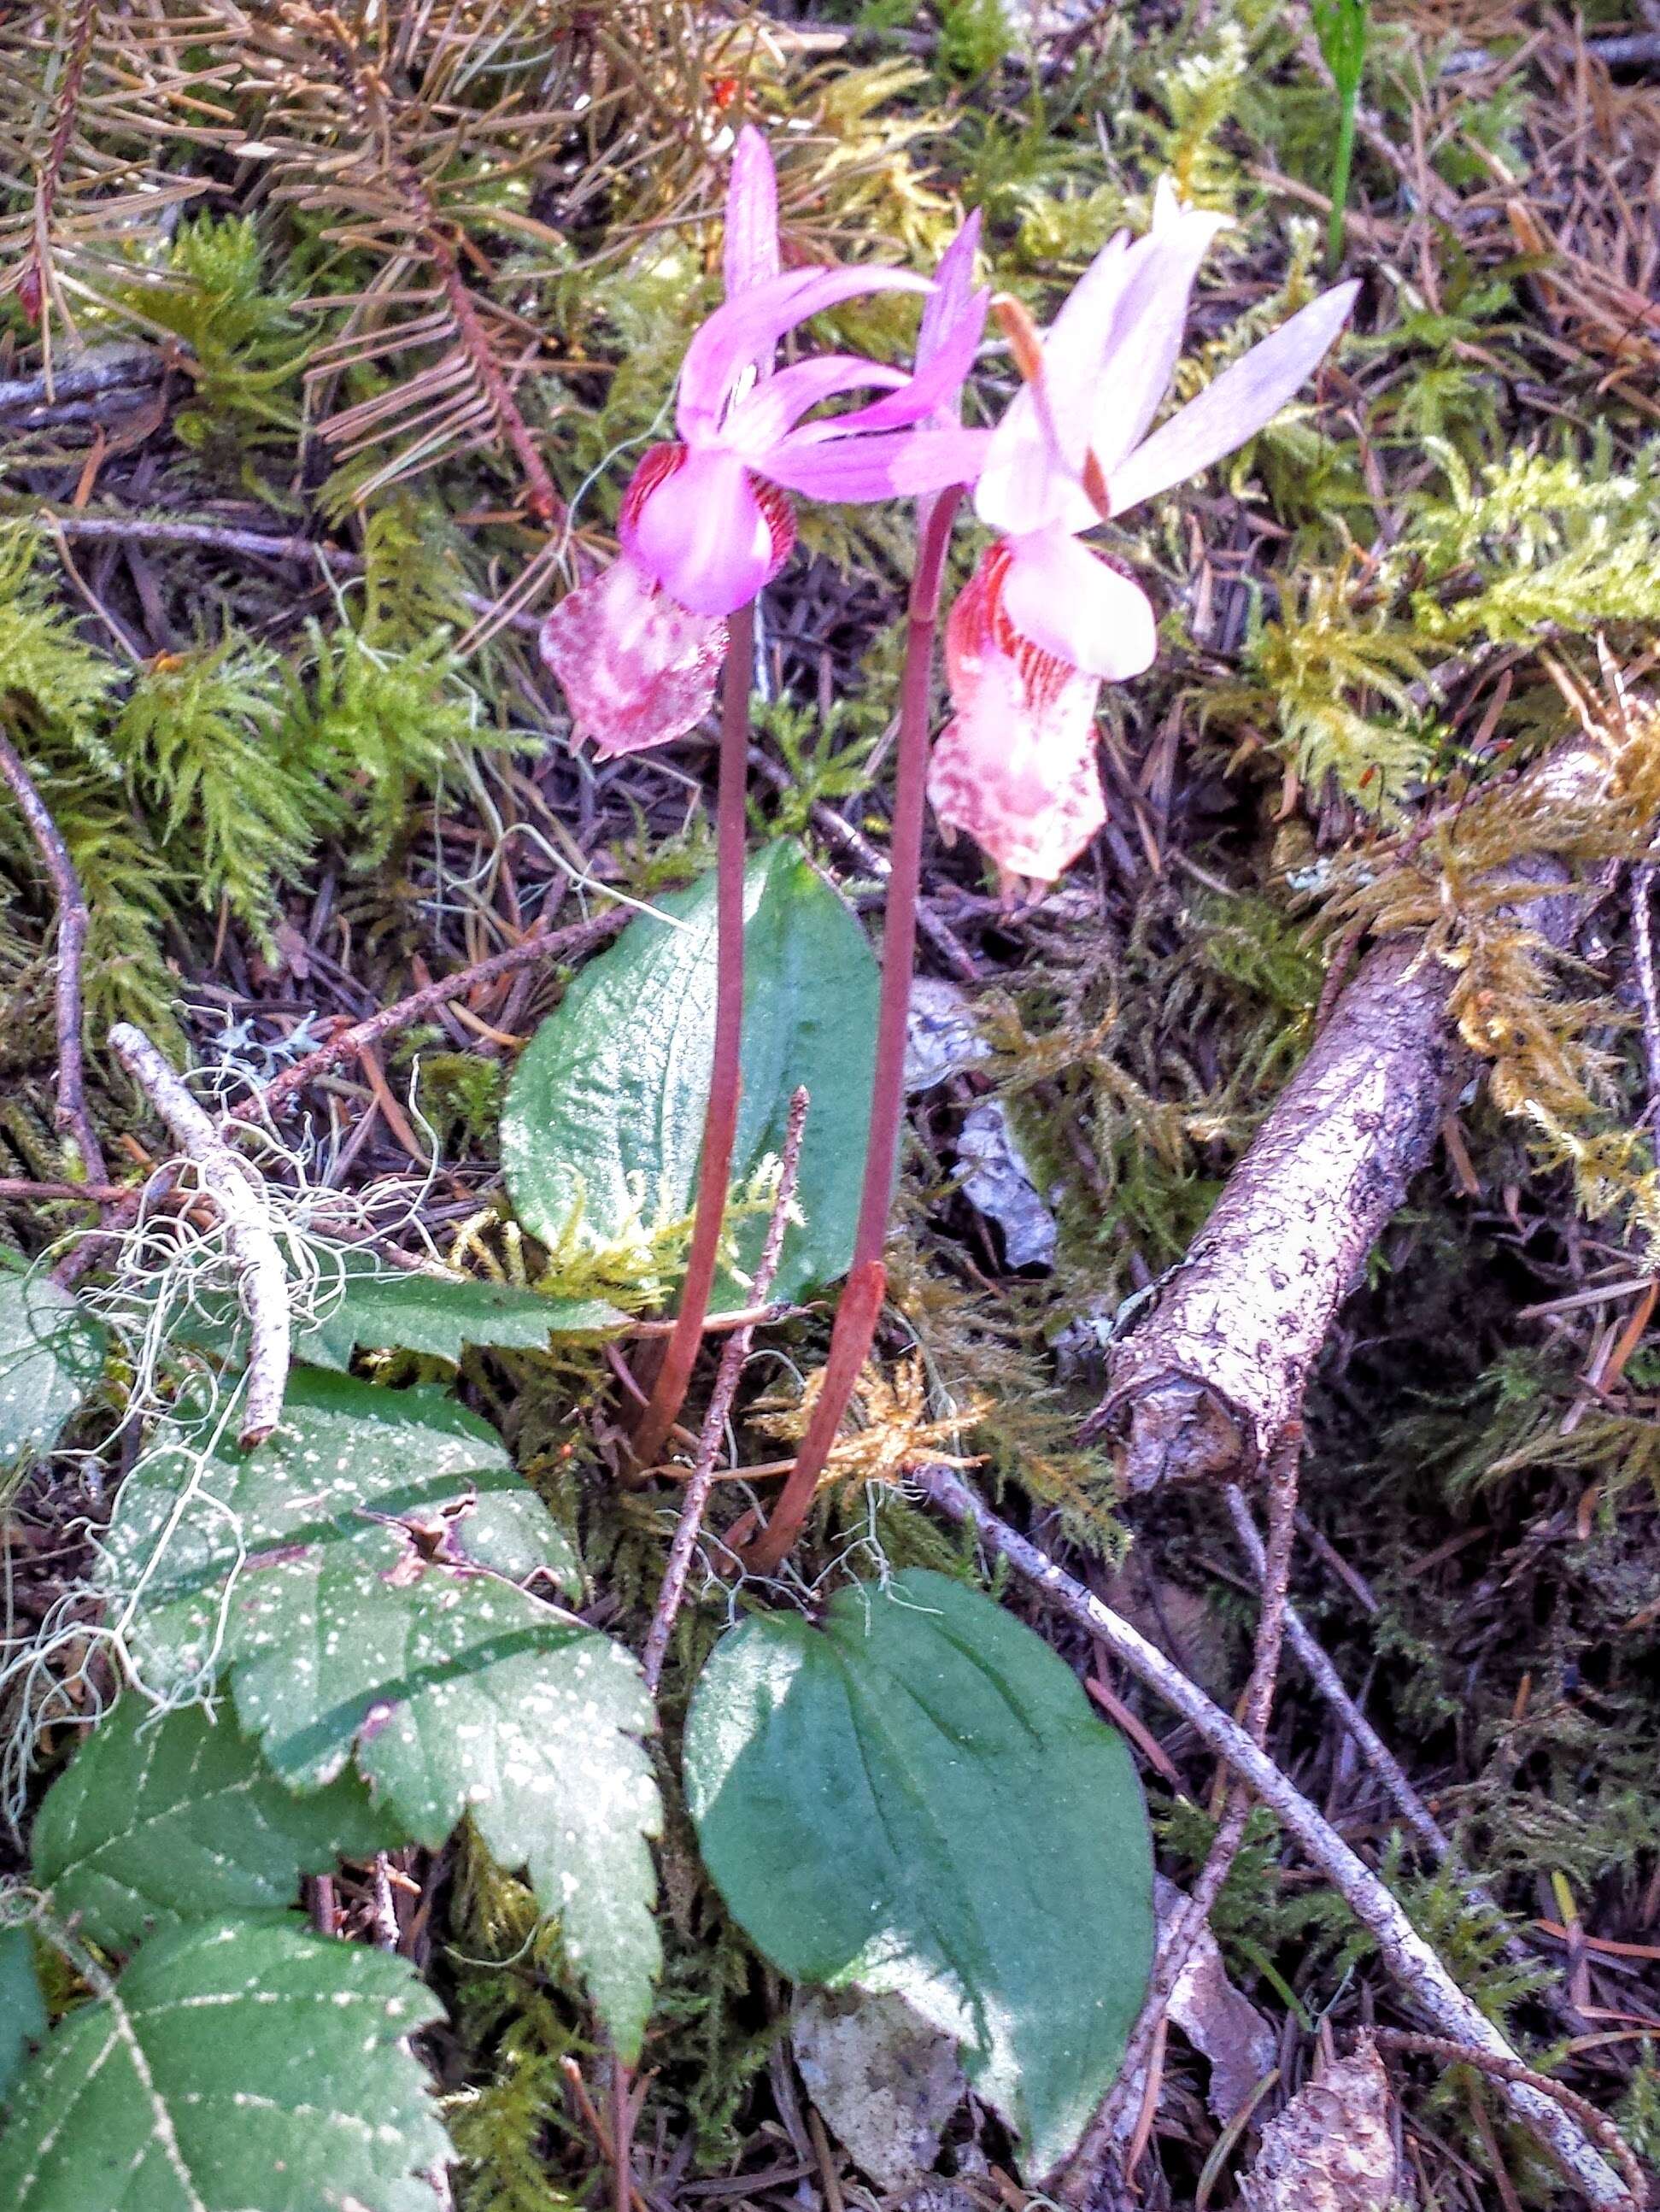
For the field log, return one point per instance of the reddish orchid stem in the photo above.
(860, 1306)
(720, 1119)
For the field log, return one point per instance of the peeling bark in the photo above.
(1203, 1387)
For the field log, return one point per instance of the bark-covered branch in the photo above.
(1204, 1387)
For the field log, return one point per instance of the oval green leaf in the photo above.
(603, 1123)
(918, 1798)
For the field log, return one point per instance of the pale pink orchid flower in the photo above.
(706, 523)
(1044, 621)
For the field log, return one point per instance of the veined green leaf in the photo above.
(917, 1798)
(51, 1355)
(22, 2008)
(238, 2065)
(360, 1579)
(382, 1311)
(604, 1123)
(161, 1819)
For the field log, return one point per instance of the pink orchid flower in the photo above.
(706, 523)
(1044, 621)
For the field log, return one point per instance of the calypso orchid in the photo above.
(706, 522)
(1043, 622)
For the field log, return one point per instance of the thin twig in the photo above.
(1448, 2052)
(1405, 1953)
(602, 2135)
(209, 536)
(735, 1352)
(25, 1187)
(1175, 1952)
(1326, 1680)
(726, 1078)
(541, 943)
(72, 1115)
(238, 1193)
(1642, 938)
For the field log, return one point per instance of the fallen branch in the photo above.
(238, 1194)
(72, 1115)
(1206, 1385)
(1448, 2053)
(1415, 1967)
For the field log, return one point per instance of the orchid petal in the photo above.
(1057, 594)
(899, 463)
(932, 392)
(1027, 484)
(703, 535)
(953, 284)
(637, 669)
(1241, 400)
(765, 415)
(751, 241)
(739, 334)
(1016, 768)
(1146, 335)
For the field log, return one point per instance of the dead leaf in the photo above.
(1331, 2150)
(1221, 2025)
(883, 2080)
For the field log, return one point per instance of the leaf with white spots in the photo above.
(360, 1579)
(51, 1355)
(159, 1819)
(22, 2007)
(238, 2065)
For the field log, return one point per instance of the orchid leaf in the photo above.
(604, 1123)
(916, 1798)
(382, 1309)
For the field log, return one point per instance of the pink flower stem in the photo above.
(721, 1117)
(860, 1306)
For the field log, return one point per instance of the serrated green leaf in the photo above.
(238, 2065)
(161, 1819)
(437, 1315)
(605, 1115)
(357, 1577)
(919, 1799)
(51, 1355)
(22, 2007)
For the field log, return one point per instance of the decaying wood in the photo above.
(1205, 1385)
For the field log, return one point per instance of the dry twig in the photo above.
(72, 1115)
(1412, 1961)
(238, 1193)
(735, 1352)
(576, 937)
